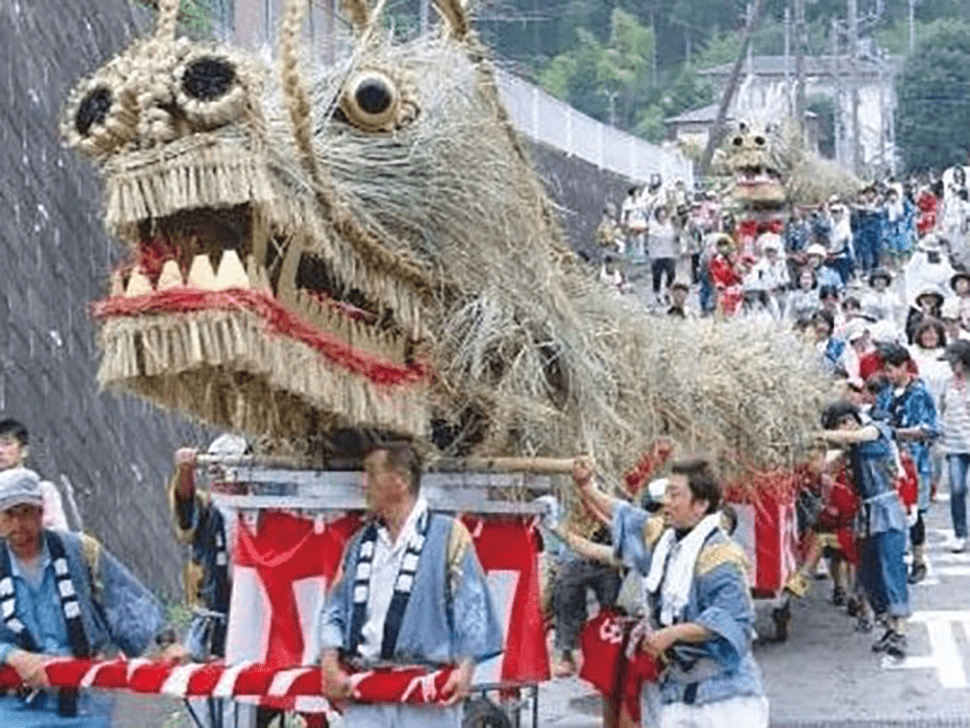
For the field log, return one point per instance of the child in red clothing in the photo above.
(726, 277)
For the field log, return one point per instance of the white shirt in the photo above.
(384, 569)
(54, 516)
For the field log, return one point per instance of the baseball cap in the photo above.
(19, 486)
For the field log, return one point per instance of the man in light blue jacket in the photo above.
(411, 592)
(700, 614)
(61, 595)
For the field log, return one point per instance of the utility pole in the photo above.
(839, 110)
(912, 25)
(425, 16)
(754, 16)
(789, 96)
(853, 12)
(883, 109)
(801, 43)
(788, 83)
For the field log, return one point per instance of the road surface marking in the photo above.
(944, 654)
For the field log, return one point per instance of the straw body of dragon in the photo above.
(373, 250)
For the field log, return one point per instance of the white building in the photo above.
(770, 79)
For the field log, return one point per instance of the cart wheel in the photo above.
(481, 713)
(781, 616)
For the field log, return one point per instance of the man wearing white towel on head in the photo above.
(700, 615)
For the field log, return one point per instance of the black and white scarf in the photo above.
(80, 647)
(403, 584)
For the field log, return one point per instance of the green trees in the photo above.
(608, 80)
(196, 16)
(933, 117)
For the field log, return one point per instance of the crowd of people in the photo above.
(666, 236)
(878, 284)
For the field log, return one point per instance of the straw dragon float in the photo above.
(374, 251)
(771, 169)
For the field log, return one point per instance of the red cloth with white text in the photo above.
(603, 643)
(281, 573)
(511, 544)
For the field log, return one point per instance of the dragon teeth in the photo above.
(170, 277)
(201, 274)
(138, 284)
(231, 272)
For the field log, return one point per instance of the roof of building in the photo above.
(814, 66)
(708, 115)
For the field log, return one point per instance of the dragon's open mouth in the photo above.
(758, 175)
(212, 295)
(759, 185)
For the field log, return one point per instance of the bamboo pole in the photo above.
(533, 465)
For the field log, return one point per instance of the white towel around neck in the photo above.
(677, 559)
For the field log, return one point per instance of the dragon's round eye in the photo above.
(371, 101)
(738, 141)
(374, 96)
(759, 140)
(93, 110)
(208, 78)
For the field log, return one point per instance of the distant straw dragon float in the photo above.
(374, 251)
(770, 168)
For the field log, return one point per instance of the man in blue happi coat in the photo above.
(61, 594)
(411, 592)
(912, 414)
(700, 615)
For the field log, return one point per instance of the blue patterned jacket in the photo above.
(449, 615)
(723, 666)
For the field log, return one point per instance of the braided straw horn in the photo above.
(359, 13)
(168, 12)
(294, 91)
(456, 15)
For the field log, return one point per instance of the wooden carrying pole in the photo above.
(533, 465)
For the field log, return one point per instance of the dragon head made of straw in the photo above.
(751, 153)
(373, 250)
(771, 165)
(290, 259)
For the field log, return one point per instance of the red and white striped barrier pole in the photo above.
(412, 685)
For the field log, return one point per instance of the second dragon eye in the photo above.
(371, 102)
(208, 78)
(93, 110)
